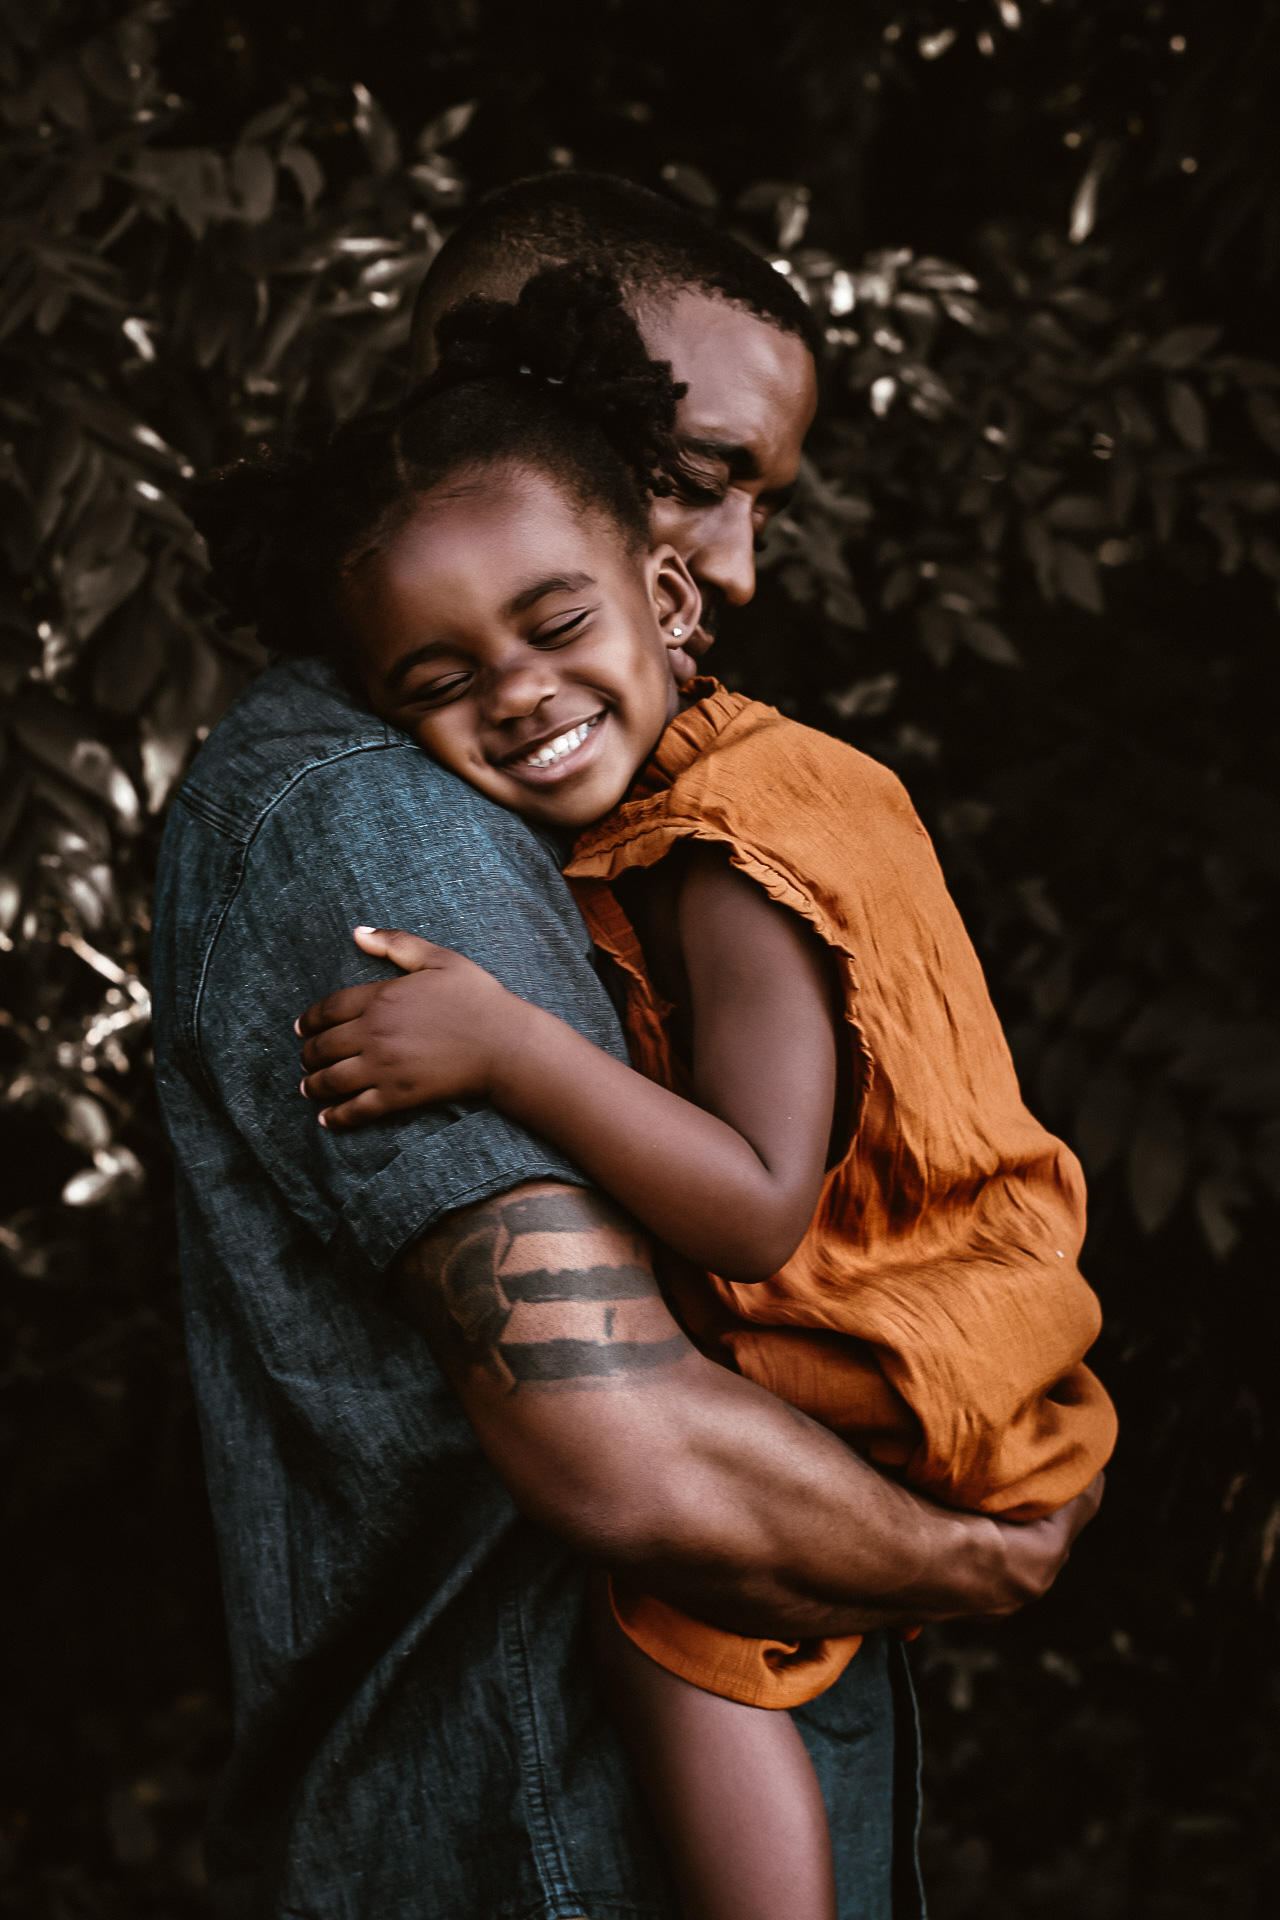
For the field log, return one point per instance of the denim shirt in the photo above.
(416, 1730)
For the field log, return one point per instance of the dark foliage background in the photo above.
(1034, 565)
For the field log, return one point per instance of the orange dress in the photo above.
(933, 1315)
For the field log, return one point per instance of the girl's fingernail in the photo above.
(297, 1027)
(302, 1088)
(324, 1119)
(365, 929)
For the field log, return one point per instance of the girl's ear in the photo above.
(677, 604)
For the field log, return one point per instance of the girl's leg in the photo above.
(732, 1790)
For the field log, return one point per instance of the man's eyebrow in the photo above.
(554, 583)
(740, 461)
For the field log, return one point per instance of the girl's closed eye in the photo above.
(562, 629)
(438, 692)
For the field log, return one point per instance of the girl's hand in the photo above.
(440, 1032)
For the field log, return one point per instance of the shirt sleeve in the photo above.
(386, 838)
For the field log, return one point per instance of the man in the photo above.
(436, 1376)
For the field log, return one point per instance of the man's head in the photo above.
(734, 331)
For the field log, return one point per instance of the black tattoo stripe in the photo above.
(547, 1213)
(585, 1359)
(578, 1283)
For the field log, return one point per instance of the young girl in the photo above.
(824, 1125)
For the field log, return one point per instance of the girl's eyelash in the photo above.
(442, 691)
(564, 632)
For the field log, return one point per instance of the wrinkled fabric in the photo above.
(417, 1734)
(934, 1313)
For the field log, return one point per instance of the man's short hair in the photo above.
(651, 245)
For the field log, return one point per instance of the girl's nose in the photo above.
(520, 690)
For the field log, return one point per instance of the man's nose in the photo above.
(516, 691)
(725, 555)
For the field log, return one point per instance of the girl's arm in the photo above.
(730, 1183)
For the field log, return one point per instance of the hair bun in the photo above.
(570, 330)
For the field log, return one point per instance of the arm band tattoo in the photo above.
(538, 1289)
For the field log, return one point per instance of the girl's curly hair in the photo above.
(559, 380)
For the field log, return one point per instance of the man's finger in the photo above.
(348, 1003)
(405, 950)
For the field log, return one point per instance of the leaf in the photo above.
(102, 66)
(1078, 577)
(1104, 1117)
(989, 643)
(85, 1124)
(1089, 309)
(936, 629)
(264, 124)
(381, 141)
(865, 698)
(1225, 528)
(52, 310)
(65, 94)
(253, 176)
(1183, 347)
(446, 127)
(191, 180)
(131, 659)
(306, 170)
(1132, 418)
(90, 596)
(1264, 412)
(1158, 1160)
(1041, 549)
(64, 450)
(1165, 498)
(195, 696)
(55, 736)
(898, 589)
(83, 816)
(691, 185)
(1215, 1197)
(842, 605)
(1077, 513)
(1187, 416)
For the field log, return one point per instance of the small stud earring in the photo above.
(677, 632)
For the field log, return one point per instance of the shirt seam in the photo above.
(246, 846)
(205, 807)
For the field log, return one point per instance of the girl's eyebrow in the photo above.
(555, 583)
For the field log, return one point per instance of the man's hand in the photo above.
(613, 1432)
(440, 1032)
(1036, 1551)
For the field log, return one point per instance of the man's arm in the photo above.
(613, 1432)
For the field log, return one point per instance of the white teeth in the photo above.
(556, 749)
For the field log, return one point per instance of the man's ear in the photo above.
(676, 602)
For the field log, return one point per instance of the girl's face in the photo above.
(515, 637)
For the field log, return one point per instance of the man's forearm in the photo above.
(611, 1430)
